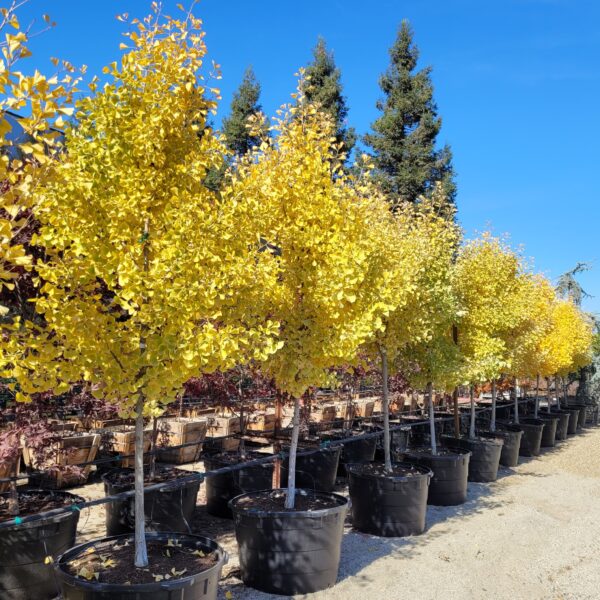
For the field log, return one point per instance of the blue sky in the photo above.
(517, 85)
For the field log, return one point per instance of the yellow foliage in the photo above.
(150, 277)
(325, 230)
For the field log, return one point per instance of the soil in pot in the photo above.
(485, 455)
(220, 489)
(181, 566)
(450, 467)
(315, 471)
(549, 432)
(24, 573)
(389, 504)
(289, 552)
(532, 436)
(168, 509)
(511, 435)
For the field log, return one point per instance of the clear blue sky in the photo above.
(517, 84)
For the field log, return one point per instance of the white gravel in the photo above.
(533, 534)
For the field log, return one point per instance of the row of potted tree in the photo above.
(146, 278)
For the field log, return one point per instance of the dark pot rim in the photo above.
(171, 584)
(477, 441)
(342, 505)
(423, 472)
(455, 452)
(52, 519)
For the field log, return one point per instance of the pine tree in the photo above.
(239, 138)
(403, 139)
(325, 88)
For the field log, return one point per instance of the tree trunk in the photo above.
(431, 418)
(385, 404)
(141, 553)
(537, 397)
(516, 401)
(291, 489)
(493, 420)
(456, 416)
(472, 422)
(152, 469)
(566, 395)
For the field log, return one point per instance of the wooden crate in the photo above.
(364, 408)
(324, 413)
(179, 431)
(197, 411)
(68, 452)
(262, 422)
(122, 441)
(220, 425)
(87, 423)
(8, 468)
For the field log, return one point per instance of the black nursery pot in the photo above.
(354, 451)
(485, 455)
(450, 467)
(24, 548)
(198, 586)
(220, 489)
(549, 431)
(562, 428)
(573, 419)
(532, 436)
(289, 552)
(315, 471)
(582, 414)
(511, 435)
(167, 509)
(389, 504)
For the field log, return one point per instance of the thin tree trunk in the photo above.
(493, 421)
(431, 418)
(152, 470)
(516, 401)
(456, 416)
(242, 449)
(180, 406)
(537, 397)
(566, 394)
(291, 489)
(386, 411)
(472, 422)
(141, 553)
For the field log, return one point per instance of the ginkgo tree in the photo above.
(489, 280)
(567, 345)
(150, 278)
(418, 337)
(324, 229)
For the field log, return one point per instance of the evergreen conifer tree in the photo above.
(325, 88)
(239, 138)
(403, 138)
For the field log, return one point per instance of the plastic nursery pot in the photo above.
(582, 414)
(289, 552)
(511, 435)
(549, 432)
(353, 451)
(419, 429)
(195, 586)
(450, 467)
(389, 504)
(398, 438)
(220, 489)
(168, 509)
(24, 574)
(315, 471)
(573, 419)
(485, 455)
(532, 436)
(562, 427)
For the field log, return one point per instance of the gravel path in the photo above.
(533, 534)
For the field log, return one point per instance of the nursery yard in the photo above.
(533, 534)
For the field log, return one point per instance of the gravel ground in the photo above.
(533, 534)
